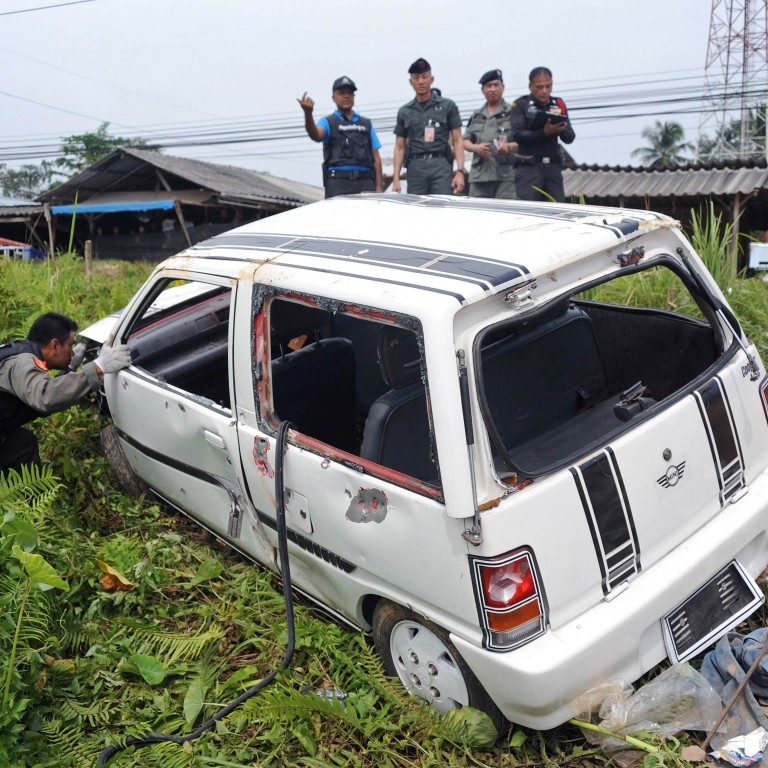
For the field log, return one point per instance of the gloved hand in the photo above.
(113, 359)
(78, 353)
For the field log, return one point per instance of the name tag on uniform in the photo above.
(429, 133)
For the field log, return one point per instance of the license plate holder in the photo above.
(702, 618)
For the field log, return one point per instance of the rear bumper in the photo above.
(535, 686)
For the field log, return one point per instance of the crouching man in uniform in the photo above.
(27, 391)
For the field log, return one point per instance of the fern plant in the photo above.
(25, 618)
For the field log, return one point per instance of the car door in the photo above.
(358, 516)
(173, 406)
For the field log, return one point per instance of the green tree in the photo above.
(84, 149)
(666, 145)
(29, 180)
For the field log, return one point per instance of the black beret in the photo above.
(493, 74)
(419, 67)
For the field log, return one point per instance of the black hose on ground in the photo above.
(282, 544)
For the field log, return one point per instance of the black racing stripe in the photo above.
(591, 525)
(609, 517)
(482, 270)
(458, 296)
(628, 507)
(475, 269)
(713, 402)
(235, 239)
(310, 546)
(715, 411)
(296, 538)
(188, 469)
(606, 502)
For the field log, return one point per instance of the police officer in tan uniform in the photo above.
(487, 137)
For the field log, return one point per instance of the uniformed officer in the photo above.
(487, 137)
(27, 391)
(538, 120)
(350, 145)
(424, 129)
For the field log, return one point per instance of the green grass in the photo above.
(209, 623)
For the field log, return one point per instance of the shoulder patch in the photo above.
(41, 364)
(513, 104)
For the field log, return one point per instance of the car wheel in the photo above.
(422, 655)
(128, 480)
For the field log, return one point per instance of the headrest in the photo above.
(399, 357)
(289, 319)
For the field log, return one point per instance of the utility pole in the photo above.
(733, 119)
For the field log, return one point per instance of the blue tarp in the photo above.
(147, 205)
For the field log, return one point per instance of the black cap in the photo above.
(344, 82)
(419, 67)
(491, 74)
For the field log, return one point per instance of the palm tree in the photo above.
(666, 145)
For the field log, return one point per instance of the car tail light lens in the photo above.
(511, 603)
(764, 395)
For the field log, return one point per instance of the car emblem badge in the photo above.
(672, 476)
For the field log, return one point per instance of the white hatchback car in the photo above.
(521, 485)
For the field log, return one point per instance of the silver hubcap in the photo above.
(426, 667)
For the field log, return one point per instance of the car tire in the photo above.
(127, 479)
(422, 655)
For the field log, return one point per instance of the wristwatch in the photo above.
(460, 170)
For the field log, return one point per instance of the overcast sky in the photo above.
(201, 70)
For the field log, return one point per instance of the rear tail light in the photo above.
(764, 395)
(510, 599)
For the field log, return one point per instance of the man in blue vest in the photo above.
(350, 144)
(28, 391)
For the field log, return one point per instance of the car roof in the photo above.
(464, 247)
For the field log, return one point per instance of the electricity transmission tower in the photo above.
(733, 118)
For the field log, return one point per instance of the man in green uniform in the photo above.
(27, 391)
(424, 129)
(487, 137)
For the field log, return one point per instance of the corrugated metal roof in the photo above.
(15, 202)
(591, 182)
(131, 170)
(16, 209)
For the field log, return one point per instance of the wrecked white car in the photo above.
(519, 484)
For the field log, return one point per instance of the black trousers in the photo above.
(334, 187)
(541, 181)
(20, 447)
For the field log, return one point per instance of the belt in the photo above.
(522, 160)
(441, 155)
(334, 174)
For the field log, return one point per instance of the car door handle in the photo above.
(214, 439)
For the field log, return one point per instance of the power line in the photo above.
(45, 7)
(278, 131)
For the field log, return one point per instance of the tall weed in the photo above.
(712, 239)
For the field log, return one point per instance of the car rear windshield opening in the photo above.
(558, 382)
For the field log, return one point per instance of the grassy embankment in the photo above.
(199, 624)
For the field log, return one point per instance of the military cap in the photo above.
(492, 74)
(343, 82)
(419, 67)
